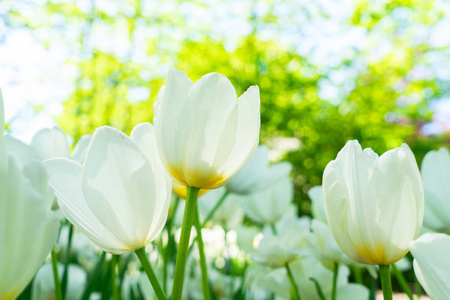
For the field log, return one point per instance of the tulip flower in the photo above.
(29, 228)
(257, 174)
(435, 173)
(374, 205)
(205, 134)
(119, 197)
(366, 196)
(267, 206)
(431, 263)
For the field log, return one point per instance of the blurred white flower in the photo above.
(432, 264)
(325, 245)
(29, 227)
(367, 196)
(286, 245)
(317, 203)
(204, 133)
(47, 143)
(257, 174)
(246, 238)
(310, 267)
(51, 143)
(435, 174)
(44, 284)
(120, 196)
(267, 206)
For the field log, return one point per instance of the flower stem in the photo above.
(402, 281)
(386, 285)
(58, 293)
(167, 254)
(114, 289)
(65, 276)
(150, 273)
(215, 208)
(295, 295)
(201, 250)
(93, 276)
(188, 220)
(335, 276)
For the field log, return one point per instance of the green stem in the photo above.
(93, 277)
(114, 290)
(295, 295)
(188, 220)
(335, 276)
(170, 242)
(386, 285)
(201, 250)
(150, 273)
(402, 281)
(66, 263)
(58, 293)
(357, 274)
(417, 287)
(274, 229)
(215, 208)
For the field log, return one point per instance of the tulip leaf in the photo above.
(318, 288)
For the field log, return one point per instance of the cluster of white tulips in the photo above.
(237, 233)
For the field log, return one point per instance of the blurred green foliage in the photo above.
(380, 105)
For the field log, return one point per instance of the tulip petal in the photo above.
(80, 150)
(210, 134)
(26, 220)
(115, 171)
(168, 114)
(50, 143)
(431, 264)
(247, 133)
(144, 136)
(435, 173)
(24, 152)
(65, 179)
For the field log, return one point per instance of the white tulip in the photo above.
(290, 242)
(28, 228)
(267, 206)
(204, 133)
(257, 174)
(432, 264)
(435, 174)
(120, 196)
(374, 205)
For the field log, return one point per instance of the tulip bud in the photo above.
(374, 205)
